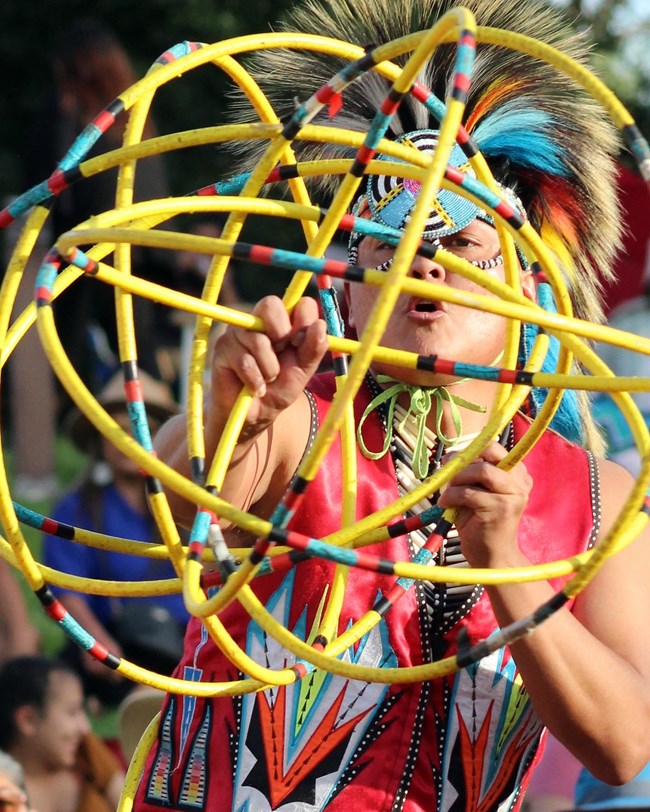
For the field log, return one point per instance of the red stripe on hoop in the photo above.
(262, 253)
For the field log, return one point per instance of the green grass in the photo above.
(69, 464)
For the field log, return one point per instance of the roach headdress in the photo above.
(541, 134)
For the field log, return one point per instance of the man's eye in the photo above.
(461, 242)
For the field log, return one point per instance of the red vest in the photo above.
(466, 741)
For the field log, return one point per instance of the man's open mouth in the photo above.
(425, 307)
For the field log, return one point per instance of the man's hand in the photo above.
(490, 502)
(275, 365)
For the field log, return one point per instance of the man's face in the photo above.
(428, 327)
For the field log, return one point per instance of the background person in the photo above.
(91, 68)
(43, 726)
(111, 499)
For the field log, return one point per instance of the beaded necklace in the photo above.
(444, 603)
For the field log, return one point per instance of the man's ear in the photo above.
(528, 286)
(26, 720)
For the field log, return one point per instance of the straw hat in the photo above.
(137, 709)
(158, 399)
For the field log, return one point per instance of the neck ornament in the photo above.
(421, 401)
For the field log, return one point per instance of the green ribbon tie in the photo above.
(421, 401)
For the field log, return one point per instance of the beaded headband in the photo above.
(389, 199)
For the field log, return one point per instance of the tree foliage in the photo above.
(620, 31)
(30, 32)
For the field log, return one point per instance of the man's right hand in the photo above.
(275, 365)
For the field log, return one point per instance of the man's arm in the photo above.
(587, 672)
(276, 365)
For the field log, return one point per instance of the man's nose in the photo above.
(423, 268)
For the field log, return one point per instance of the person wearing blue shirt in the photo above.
(111, 499)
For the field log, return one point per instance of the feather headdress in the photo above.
(542, 135)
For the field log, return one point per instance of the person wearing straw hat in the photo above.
(135, 712)
(467, 740)
(111, 499)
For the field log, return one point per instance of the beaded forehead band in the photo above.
(389, 200)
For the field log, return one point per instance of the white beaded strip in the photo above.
(481, 264)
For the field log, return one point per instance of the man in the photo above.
(467, 740)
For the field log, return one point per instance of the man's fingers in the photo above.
(277, 322)
(277, 363)
(304, 313)
(311, 344)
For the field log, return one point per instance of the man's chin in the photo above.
(412, 377)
